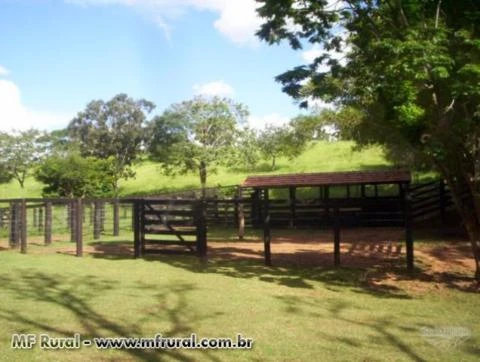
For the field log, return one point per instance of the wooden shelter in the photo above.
(344, 199)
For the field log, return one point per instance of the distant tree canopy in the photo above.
(281, 141)
(410, 68)
(19, 153)
(197, 135)
(76, 176)
(112, 130)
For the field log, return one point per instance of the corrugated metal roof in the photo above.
(329, 178)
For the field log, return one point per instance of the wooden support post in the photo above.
(73, 220)
(266, 228)
(292, 201)
(408, 228)
(240, 215)
(116, 218)
(255, 210)
(97, 220)
(336, 236)
(79, 226)
(137, 215)
(23, 218)
(40, 219)
(48, 223)
(201, 224)
(12, 224)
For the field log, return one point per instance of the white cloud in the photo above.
(310, 55)
(273, 119)
(14, 115)
(217, 88)
(237, 19)
(3, 71)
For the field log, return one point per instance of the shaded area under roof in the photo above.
(329, 178)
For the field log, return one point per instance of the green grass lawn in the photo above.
(320, 156)
(292, 313)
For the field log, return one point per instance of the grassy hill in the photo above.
(320, 156)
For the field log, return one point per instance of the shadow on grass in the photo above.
(77, 297)
(368, 267)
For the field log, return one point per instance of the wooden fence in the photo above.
(161, 224)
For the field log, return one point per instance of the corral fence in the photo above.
(181, 219)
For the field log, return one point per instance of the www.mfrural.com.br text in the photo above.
(48, 342)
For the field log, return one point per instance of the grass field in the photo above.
(321, 156)
(293, 313)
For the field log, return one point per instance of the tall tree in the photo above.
(72, 175)
(198, 135)
(19, 153)
(281, 141)
(112, 130)
(410, 67)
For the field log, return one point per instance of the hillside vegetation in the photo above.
(320, 156)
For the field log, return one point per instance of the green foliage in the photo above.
(246, 153)
(411, 69)
(197, 135)
(19, 153)
(281, 141)
(76, 176)
(112, 130)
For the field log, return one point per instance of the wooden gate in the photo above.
(169, 226)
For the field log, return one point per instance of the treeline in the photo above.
(100, 145)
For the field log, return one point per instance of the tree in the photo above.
(411, 68)
(19, 153)
(113, 129)
(197, 135)
(281, 141)
(75, 176)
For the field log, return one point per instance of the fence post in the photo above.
(12, 224)
(408, 228)
(266, 229)
(336, 236)
(136, 229)
(116, 218)
(79, 227)
(48, 223)
(201, 224)
(23, 216)
(96, 220)
(40, 219)
(73, 219)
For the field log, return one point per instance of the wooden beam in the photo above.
(266, 229)
(79, 227)
(116, 218)
(408, 228)
(136, 229)
(23, 231)
(48, 223)
(336, 236)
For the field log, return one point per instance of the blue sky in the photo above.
(56, 56)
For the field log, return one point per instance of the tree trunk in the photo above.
(21, 182)
(273, 163)
(466, 202)
(203, 177)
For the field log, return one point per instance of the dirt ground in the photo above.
(440, 262)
